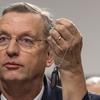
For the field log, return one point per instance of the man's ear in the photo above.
(50, 59)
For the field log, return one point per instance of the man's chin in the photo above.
(12, 77)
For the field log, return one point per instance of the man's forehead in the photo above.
(21, 22)
(17, 16)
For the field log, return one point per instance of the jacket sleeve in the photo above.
(91, 96)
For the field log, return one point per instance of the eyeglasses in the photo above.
(26, 43)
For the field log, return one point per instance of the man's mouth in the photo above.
(12, 65)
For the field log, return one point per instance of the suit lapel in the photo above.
(51, 94)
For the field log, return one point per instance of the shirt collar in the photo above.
(38, 97)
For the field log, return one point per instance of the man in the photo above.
(28, 44)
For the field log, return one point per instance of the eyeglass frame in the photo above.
(22, 47)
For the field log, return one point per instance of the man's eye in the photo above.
(26, 41)
(4, 39)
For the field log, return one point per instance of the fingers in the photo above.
(63, 31)
(66, 42)
(56, 36)
(68, 24)
(55, 47)
(64, 36)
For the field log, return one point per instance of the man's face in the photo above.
(17, 63)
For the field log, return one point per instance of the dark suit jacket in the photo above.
(56, 93)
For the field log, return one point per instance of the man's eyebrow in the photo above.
(27, 34)
(2, 32)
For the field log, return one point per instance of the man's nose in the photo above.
(13, 48)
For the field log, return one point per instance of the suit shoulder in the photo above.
(93, 96)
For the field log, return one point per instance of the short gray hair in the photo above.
(25, 7)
